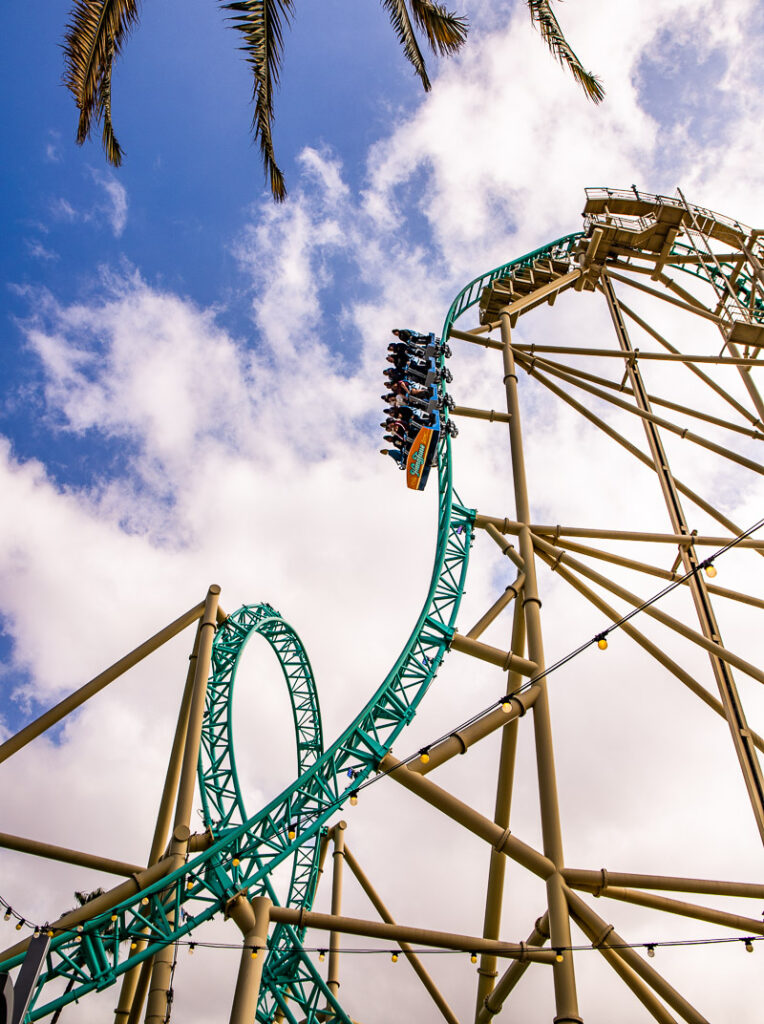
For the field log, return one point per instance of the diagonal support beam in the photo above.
(506, 660)
(459, 742)
(748, 925)
(475, 822)
(750, 765)
(76, 699)
(301, 918)
(605, 938)
(653, 612)
(66, 856)
(405, 947)
(657, 652)
(510, 593)
(595, 881)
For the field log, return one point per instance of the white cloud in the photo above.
(38, 251)
(115, 205)
(53, 147)
(111, 210)
(62, 209)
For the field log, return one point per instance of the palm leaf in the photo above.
(111, 147)
(445, 31)
(552, 34)
(399, 19)
(260, 23)
(94, 36)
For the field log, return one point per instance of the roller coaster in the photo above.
(704, 269)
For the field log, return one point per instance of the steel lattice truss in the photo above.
(640, 241)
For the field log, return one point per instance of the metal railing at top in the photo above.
(673, 201)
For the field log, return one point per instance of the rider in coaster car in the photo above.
(393, 399)
(394, 439)
(399, 360)
(410, 337)
(400, 348)
(412, 370)
(416, 342)
(397, 457)
(402, 387)
(401, 412)
(394, 373)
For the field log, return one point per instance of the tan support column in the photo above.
(338, 859)
(156, 1008)
(487, 971)
(496, 999)
(253, 919)
(566, 1000)
(135, 983)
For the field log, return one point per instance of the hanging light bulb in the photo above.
(7, 914)
(651, 951)
(424, 757)
(322, 955)
(19, 924)
(133, 944)
(602, 643)
(558, 956)
(254, 952)
(50, 933)
(394, 958)
(191, 949)
(473, 958)
(236, 862)
(291, 833)
(79, 928)
(506, 707)
(190, 883)
(749, 946)
(353, 799)
(710, 570)
(145, 901)
(36, 933)
(115, 917)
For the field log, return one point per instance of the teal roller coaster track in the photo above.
(245, 848)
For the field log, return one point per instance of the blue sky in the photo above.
(191, 377)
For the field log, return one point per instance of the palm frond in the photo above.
(552, 34)
(94, 36)
(399, 19)
(111, 147)
(446, 32)
(260, 23)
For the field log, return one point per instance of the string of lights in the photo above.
(746, 940)
(504, 702)
(194, 944)
(600, 639)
